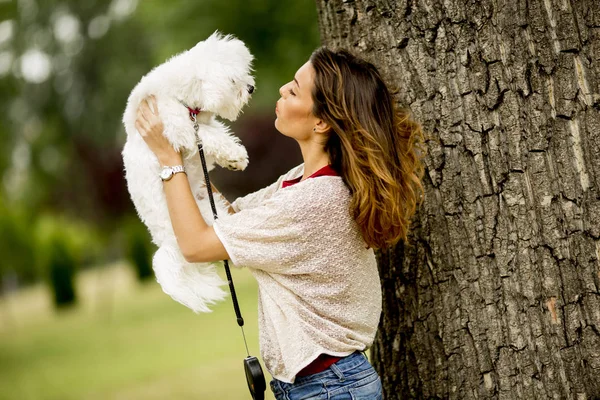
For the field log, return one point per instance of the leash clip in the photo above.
(193, 113)
(193, 118)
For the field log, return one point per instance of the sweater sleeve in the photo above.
(271, 236)
(254, 199)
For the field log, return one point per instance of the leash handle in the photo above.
(236, 306)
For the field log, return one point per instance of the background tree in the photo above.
(497, 294)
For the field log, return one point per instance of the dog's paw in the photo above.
(237, 165)
(236, 160)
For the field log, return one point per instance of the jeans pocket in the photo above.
(277, 392)
(369, 391)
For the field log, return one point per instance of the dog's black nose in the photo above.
(250, 89)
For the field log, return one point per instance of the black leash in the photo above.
(254, 374)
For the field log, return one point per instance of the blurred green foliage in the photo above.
(61, 273)
(83, 241)
(17, 243)
(61, 246)
(139, 248)
(66, 69)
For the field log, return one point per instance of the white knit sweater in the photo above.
(319, 288)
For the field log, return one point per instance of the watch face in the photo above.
(166, 173)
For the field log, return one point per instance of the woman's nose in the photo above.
(281, 90)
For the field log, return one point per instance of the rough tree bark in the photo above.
(498, 293)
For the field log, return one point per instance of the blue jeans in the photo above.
(351, 378)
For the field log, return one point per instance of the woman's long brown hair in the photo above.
(374, 145)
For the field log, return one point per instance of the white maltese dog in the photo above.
(214, 77)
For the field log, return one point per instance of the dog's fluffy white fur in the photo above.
(214, 76)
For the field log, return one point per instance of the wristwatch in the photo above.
(167, 172)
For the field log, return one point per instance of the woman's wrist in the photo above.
(170, 159)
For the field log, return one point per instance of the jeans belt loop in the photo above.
(336, 370)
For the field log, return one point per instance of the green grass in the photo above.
(124, 341)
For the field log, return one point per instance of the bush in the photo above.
(63, 245)
(139, 249)
(61, 269)
(17, 244)
(141, 258)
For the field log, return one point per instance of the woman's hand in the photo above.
(150, 127)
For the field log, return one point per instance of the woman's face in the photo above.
(294, 108)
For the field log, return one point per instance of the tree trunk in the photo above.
(497, 293)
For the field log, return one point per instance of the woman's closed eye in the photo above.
(292, 92)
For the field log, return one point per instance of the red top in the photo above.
(323, 361)
(325, 171)
(320, 364)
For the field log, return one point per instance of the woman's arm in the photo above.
(197, 241)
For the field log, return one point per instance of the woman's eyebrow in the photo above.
(297, 82)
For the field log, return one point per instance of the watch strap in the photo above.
(177, 168)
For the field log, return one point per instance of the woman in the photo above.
(308, 239)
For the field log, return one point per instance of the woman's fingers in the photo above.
(139, 115)
(142, 120)
(141, 130)
(148, 110)
(150, 127)
(148, 123)
(145, 110)
(154, 105)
